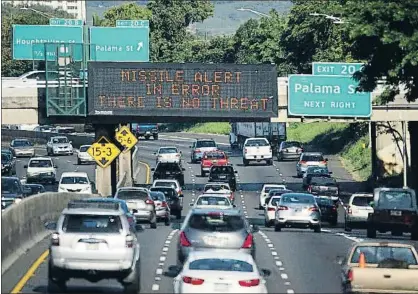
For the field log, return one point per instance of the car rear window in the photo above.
(202, 144)
(84, 148)
(378, 254)
(168, 167)
(209, 200)
(267, 189)
(21, 143)
(275, 200)
(324, 201)
(216, 222)
(398, 199)
(323, 181)
(312, 158)
(256, 143)
(74, 223)
(293, 198)
(157, 196)
(217, 264)
(214, 155)
(168, 150)
(216, 187)
(40, 163)
(165, 184)
(362, 201)
(317, 170)
(132, 195)
(169, 193)
(291, 144)
(74, 180)
(222, 170)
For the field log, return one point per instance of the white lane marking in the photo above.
(355, 239)
(155, 287)
(274, 253)
(161, 264)
(270, 245)
(287, 283)
(167, 242)
(325, 230)
(157, 278)
(281, 269)
(279, 263)
(290, 291)
(245, 207)
(284, 276)
(159, 271)
(163, 258)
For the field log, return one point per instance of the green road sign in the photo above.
(132, 23)
(119, 44)
(65, 22)
(329, 96)
(335, 68)
(28, 40)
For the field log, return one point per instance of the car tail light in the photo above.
(184, 241)
(407, 219)
(249, 283)
(197, 151)
(281, 207)
(270, 149)
(323, 162)
(149, 201)
(193, 281)
(349, 211)
(55, 239)
(334, 208)
(231, 196)
(164, 204)
(129, 241)
(302, 162)
(245, 150)
(310, 188)
(177, 155)
(350, 276)
(313, 208)
(271, 209)
(248, 242)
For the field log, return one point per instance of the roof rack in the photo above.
(93, 204)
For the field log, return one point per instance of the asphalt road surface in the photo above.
(301, 261)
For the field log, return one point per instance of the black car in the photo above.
(169, 170)
(35, 188)
(315, 171)
(320, 185)
(329, 211)
(8, 164)
(224, 174)
(12, 189)
(173, 199)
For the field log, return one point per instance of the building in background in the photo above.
(76, 8)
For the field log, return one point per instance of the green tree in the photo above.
(15, 15)
(218, 49)
(385, 33)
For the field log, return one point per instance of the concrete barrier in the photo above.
(23, 223)
(43, 137)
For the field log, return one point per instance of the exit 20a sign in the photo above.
(335, 68)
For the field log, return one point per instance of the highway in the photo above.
(301, 261)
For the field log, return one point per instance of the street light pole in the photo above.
(253, 11)
(335, 19)
(44, 14)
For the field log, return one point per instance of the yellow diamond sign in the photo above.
(125, 137)
(103, 152)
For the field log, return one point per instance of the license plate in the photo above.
(324, 188)
(222, 177)
(214, 241)
(395, 213)
(221, 287)
(92, 246)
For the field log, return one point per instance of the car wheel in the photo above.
(135, 286)
(277, 228)
(55, 285)
(155, 137)
(167, 221)
(317, 229)
(153, 225)
(347, 227)
(245, 162)
(333, 222)
(178, 214)
(371, 232)
(270, 162)
(267, 224)
(279, 157)
(79, 161)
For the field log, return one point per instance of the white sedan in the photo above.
(168, 154)
(265, 192)
(220, 272)
(218, 201)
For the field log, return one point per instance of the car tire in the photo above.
(79, 161)
(153, 222)
(267, 224)
(277, 228)
(178, 214)
(333, 223)
(371, 232)
(317, 229)
(156, 137)
(270, 162)
(245, 162)
(167, 221)
(55, 286)
(202, 173)
(347, 227)
(147, 138)
(135, 286)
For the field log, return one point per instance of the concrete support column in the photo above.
(125, 166)
(413, 172)
(375, 166)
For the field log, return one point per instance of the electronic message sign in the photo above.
(182, 89)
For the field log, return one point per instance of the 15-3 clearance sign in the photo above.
(182, 89)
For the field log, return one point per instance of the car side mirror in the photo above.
(173, 271)
(326, 159)
(265, 273)
(330, 173)
(180, 152)
(152, 169)
(55, 166)
(25, 166)
(234, 205)
(50, 226)
(339, 260)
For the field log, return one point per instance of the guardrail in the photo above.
(23, 223)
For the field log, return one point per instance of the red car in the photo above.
(211, 158)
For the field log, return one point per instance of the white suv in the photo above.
(40, 170)
(93, 241)
(265, 193)
(76, 182)
(357, 210)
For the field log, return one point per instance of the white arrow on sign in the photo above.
(140, 45)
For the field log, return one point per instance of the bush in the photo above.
(219, 128)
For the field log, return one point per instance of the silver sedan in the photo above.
(298, 210)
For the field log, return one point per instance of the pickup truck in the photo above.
(145, 130)
(257, 149)
(380, 267)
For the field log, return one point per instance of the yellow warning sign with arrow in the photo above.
(103, 152)
(125, 137)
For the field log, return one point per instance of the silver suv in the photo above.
(93, 241)
(201, 146)
(140, 204)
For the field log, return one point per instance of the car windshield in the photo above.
(222, 170)
(317, 170)
(217, 264)
(377, 254)
(168, 167)
(169, 193)
(59, 140)
(216, 187)
(36, 188)
(168, 150)
(10, 186)
(84, 148)
(293, 198)
(323, 181)
(312, 158)
(267, 189)
(157, 196)
(291, 144)
(74, 223)
(275, 201)
(40, 163)
(362, 201)
(21, 143)
(214, 155)
(74, 180)
(278, 192)
(132, 194)
(395, 199)
(209, 143)
(209, 200)
(324, 201)
(216, 222)
(255, 143)
(165, 184)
